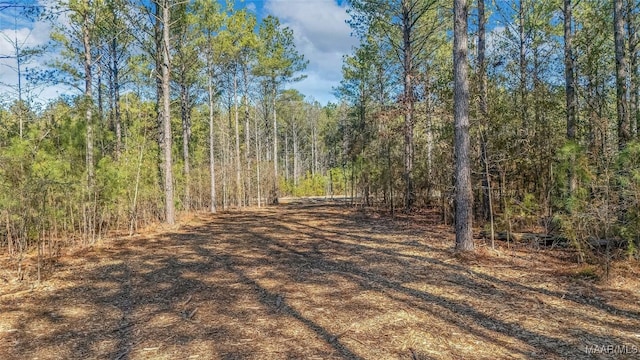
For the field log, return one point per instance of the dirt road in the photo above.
(315, 282)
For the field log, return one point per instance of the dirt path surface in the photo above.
(315, 282)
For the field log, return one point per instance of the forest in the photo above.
(512, 126)
(192, 107)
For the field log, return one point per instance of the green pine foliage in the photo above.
(252, 137)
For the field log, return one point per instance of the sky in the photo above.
(320, 31)
(321, 34)
(15, 27)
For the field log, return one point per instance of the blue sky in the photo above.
(15, 27)
(321, 34)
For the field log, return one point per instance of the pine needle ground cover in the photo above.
(317, 281)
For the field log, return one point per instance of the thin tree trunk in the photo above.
(464, 194)
(10, 244)
(408, 103)
(100, 101)
(258, 151)
(624, 133)
(286, 156)
(237, 138)
(487, 192)
(571, 99)
(247, 131)
(117, 123)
(225, 161)
(352, 197)
(88, 103)
(390, 171)
(487, 204)
(523, 65)
(19, 73)
(633, 67)
(429, 137)
(186, 138)
(212, 158)
(295, 154)
(314, 146)
(134, 204)
(157, 28)
(274, 199)
(88, 62)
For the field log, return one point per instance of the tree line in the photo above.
(186, 106)
(537, 108)
(178, 106)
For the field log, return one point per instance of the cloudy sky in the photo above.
(321, 34)
(16, 29)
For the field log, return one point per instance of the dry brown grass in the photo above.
(316, 282)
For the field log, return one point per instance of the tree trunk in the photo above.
(258, 151)
(212, 159)
(484, 113)
(624, 133)
(464, 194)
(296, 169)
(99, 100)
(117, 124)
(274, 196)
(569, 83)
(429, 137)
(19, 73)
(225, 129)
(186, 138)
(390, 171)
(286, 156)
(247, 131)
(407, 48)
(89, 211)
(597, 123)
(166, 116)
(633, 68)
(523, 65)
(487, 204)
(314, 145)
(237, 137)
(88, 95)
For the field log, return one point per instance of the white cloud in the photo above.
(25, 34)
(251, 7)
(316, 87)
(322, 35)
(319, 26)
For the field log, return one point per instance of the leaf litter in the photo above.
(317, 281)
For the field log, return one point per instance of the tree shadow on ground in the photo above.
(302, 281)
